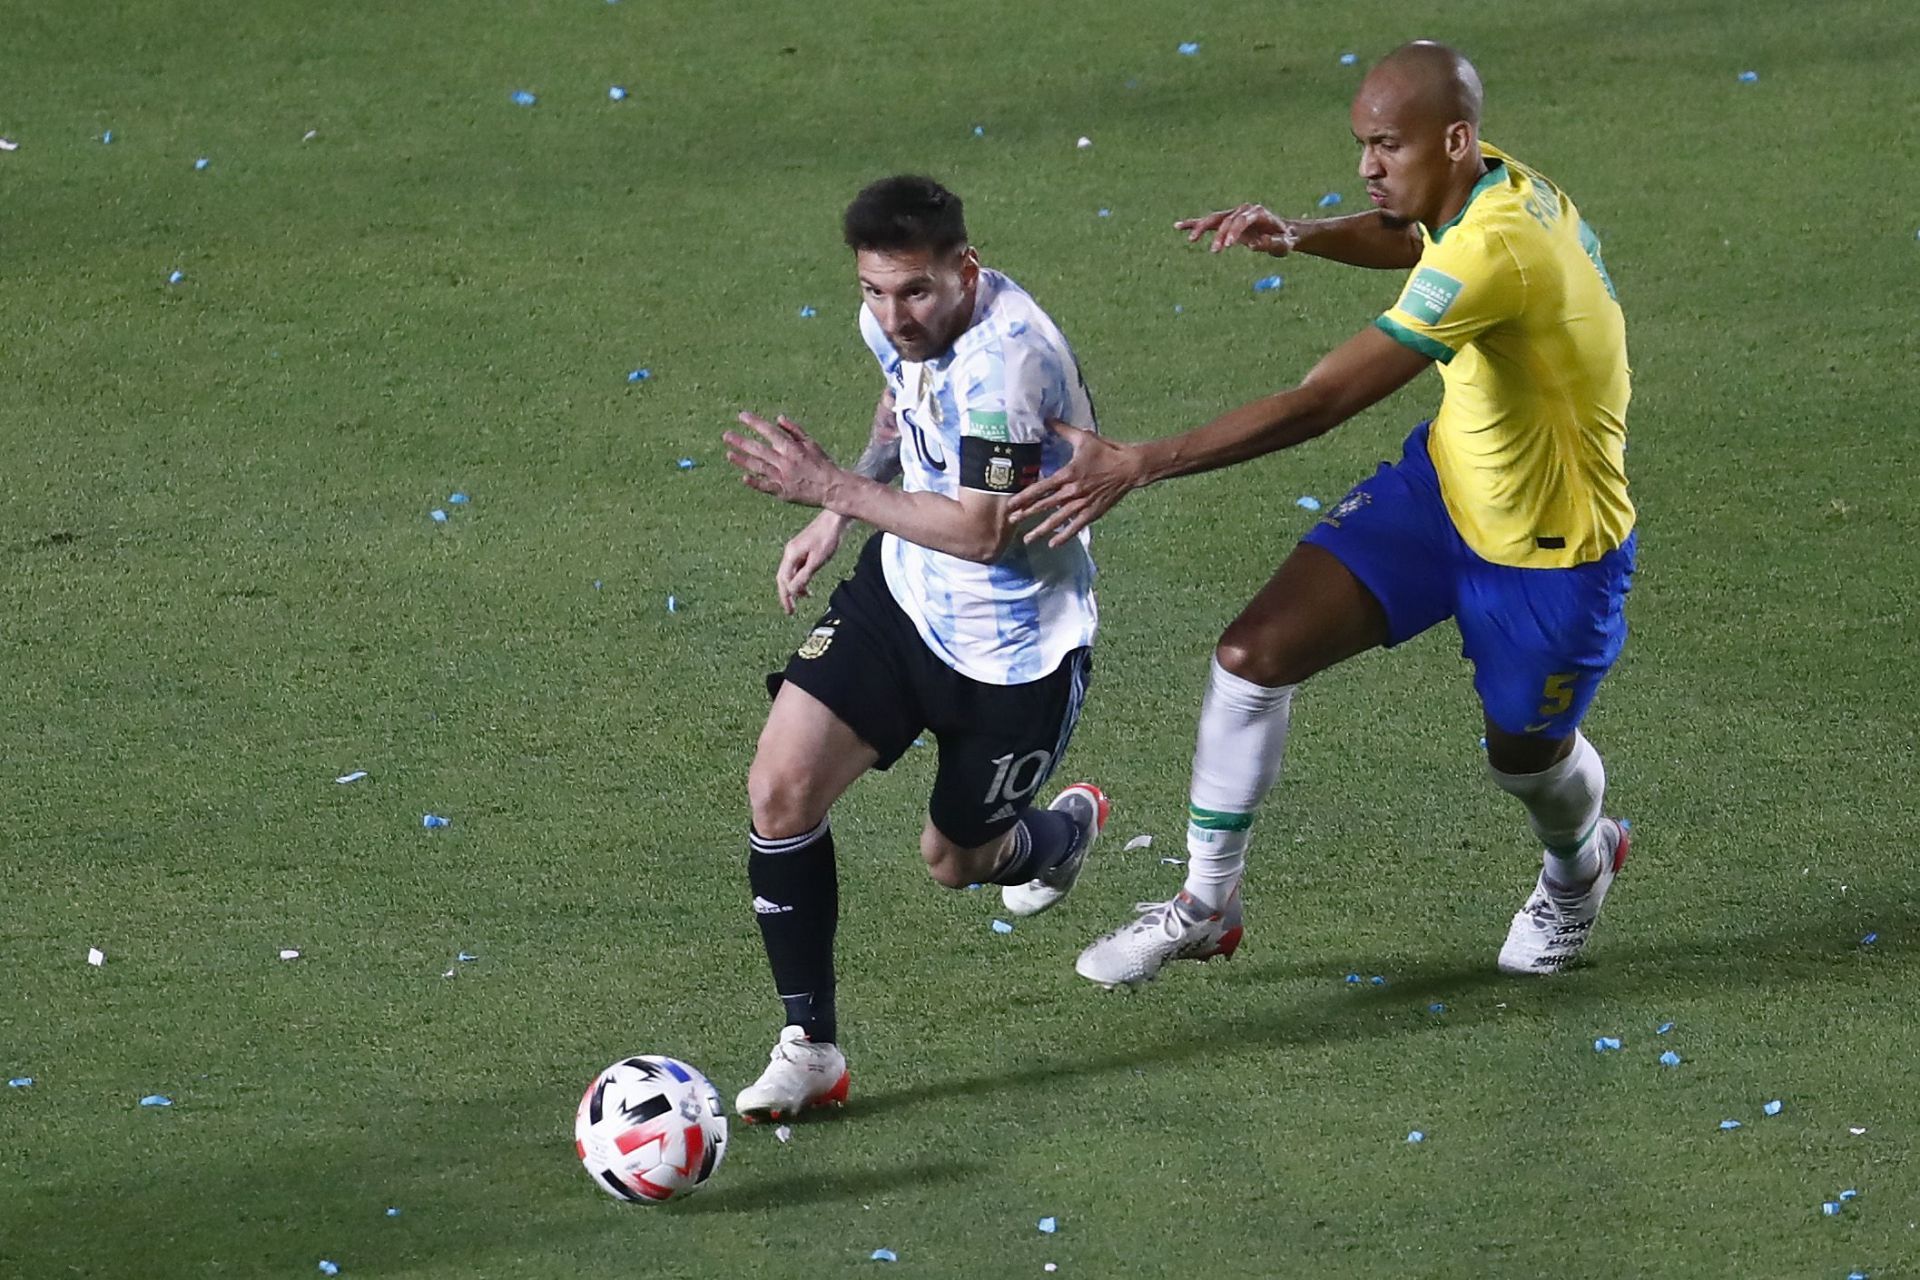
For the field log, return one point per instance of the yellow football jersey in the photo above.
(1512, 299)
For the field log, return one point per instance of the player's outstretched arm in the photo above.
(809, 550)
(1364, 369)
(1368, 239)
(789, 464)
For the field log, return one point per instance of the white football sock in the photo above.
(1242, 740)
(1563, 806)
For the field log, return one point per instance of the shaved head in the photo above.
(1428, 82)
(1417, 120)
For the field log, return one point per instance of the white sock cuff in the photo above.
(1244, 695)
(1522, 784)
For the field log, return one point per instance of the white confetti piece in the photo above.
(784, 1133)
(1173, 862)
(1855, 1132)
(355, 776)
(96, 957)
(288, 953)
(309, 135)
(1139, 842)
(1084, 143)
(8, 144)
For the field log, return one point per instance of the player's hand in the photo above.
(1101, 472)
(1249, 224)
(785, 461)
(804, 555)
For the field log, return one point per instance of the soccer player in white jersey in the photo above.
(949, 622)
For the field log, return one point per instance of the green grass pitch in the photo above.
(221, 589)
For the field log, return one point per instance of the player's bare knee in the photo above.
(946, 861)
(783, 800)
(1258, 655)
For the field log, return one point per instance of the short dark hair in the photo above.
(905, 212)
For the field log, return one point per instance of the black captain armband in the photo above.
(995, 466)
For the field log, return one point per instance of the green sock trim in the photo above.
(1571, 853)
(1215, 820)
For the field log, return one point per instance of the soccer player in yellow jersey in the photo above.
(1507, 513)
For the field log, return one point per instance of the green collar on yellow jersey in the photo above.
(1492, 177)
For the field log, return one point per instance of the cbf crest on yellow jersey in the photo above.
(1513, 300)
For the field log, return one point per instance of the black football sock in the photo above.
(796, 899)
(1042, 840)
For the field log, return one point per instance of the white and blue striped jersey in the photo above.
(985, 403)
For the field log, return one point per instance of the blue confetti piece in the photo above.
(466, 957)
(1416, 1136)
(1748, 77)
(685, 464)
(1483, 744)
(1267, 284)
(1178, 309)
(107, 137)
(1847, 1195)
(1330, 199)
(393, 1213)
(979, 131)
(1831, 1208)
(673, 605)
(1856, 1275)
(1377, 980)
(201, 163)
(434, 821)
(1049, 1225)
(1672, 1059)
(457, 499)
(439, 516)
(521, 98)
(329, 1268)
(808, 313)
(1606, 1044)
(1353, 979)
(919, 742)
(1436, 1007)
(617, 93)
(1001, 926)
(1773, 1108)
(156, 1100)
(20, 1082)
(1104, 213)
(1190, 48)
(1663, 1028)
(639, 375)
(1348, 59)
(1729, 1124)
(884, 1255)
(1307, 502)
(596, 584)
(175, 277)
(1869, 940)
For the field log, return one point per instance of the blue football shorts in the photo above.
(1540, 640)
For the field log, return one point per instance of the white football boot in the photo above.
(1163, 931)
(799, 1074)
(1084, 803)
(1549, 932)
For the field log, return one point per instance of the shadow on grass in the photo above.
(817, 1185)
(1807, 951)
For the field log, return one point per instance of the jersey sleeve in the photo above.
(1001, 395)
(1461, 287)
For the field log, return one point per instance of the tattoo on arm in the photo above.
(881, 458)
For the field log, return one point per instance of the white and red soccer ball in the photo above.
(650, 1129)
